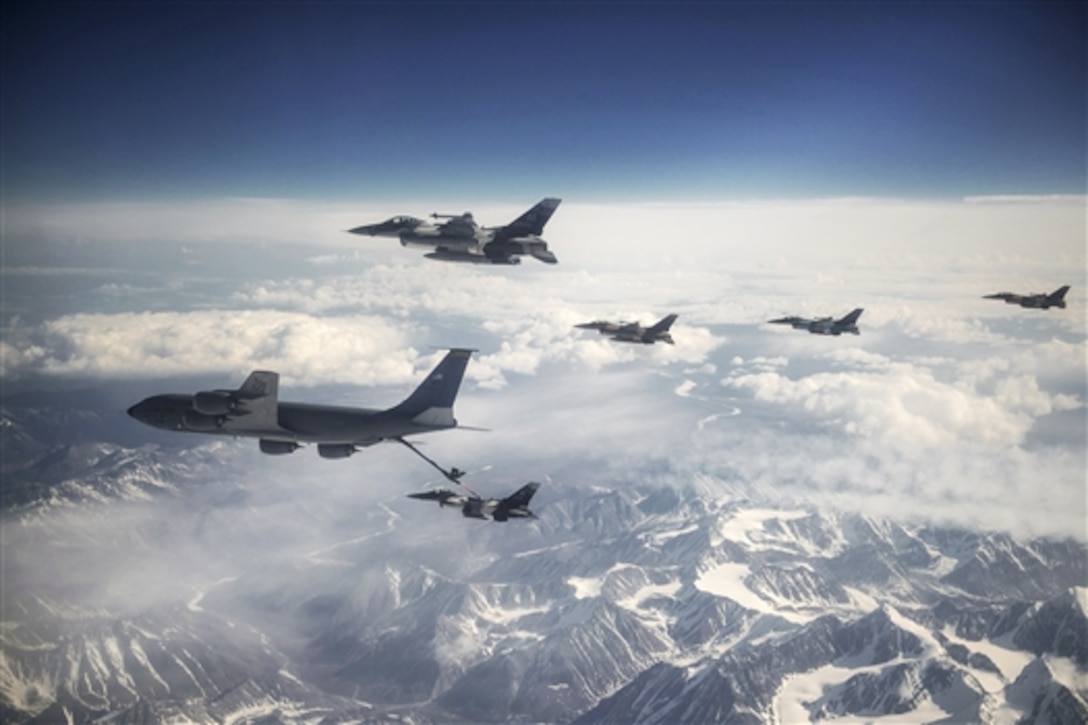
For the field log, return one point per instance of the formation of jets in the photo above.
(1039, 301)
(255, 411)
(458, 238)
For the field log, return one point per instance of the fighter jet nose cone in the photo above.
(134, 411)
(361, 230)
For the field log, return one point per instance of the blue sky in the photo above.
(514, 101)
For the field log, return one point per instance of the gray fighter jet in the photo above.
(1040, 301)
(254, 411)
(824, 325)
(457, 238)
(514, 506)
(633, 331)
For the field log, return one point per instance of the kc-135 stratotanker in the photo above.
(254, 411)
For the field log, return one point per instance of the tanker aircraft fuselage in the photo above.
(254, 411)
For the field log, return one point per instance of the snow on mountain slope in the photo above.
(174, 585)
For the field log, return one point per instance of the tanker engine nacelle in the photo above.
(212, 402)
(278, 448)
(195, 420)
(335, 450)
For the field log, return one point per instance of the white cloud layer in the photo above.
(946, 407)
(367, 350)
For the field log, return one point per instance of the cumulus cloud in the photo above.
(306, 349)
(903, 406)
(933, 438)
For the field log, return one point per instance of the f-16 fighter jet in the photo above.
(254, 411)
(514, 506)
(824, 325)
(633, 331)
(1039, 301)
(457, 238)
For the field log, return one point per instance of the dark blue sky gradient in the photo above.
(592, 101)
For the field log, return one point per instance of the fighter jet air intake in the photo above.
(253, 411)
(824, 325)
(1039, 301)
(516, 505)
(458, 238)
(633, 331)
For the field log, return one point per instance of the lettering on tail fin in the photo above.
(852, 317)
(664, 324)
(439, 389)
(258, 407)
(259, 384)
(521, 497)
(531, 223)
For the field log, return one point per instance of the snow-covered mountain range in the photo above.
(143, 583)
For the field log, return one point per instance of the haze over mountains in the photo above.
(197, 582)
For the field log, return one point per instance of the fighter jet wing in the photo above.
(458, 227)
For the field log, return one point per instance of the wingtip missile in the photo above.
(434, 495)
